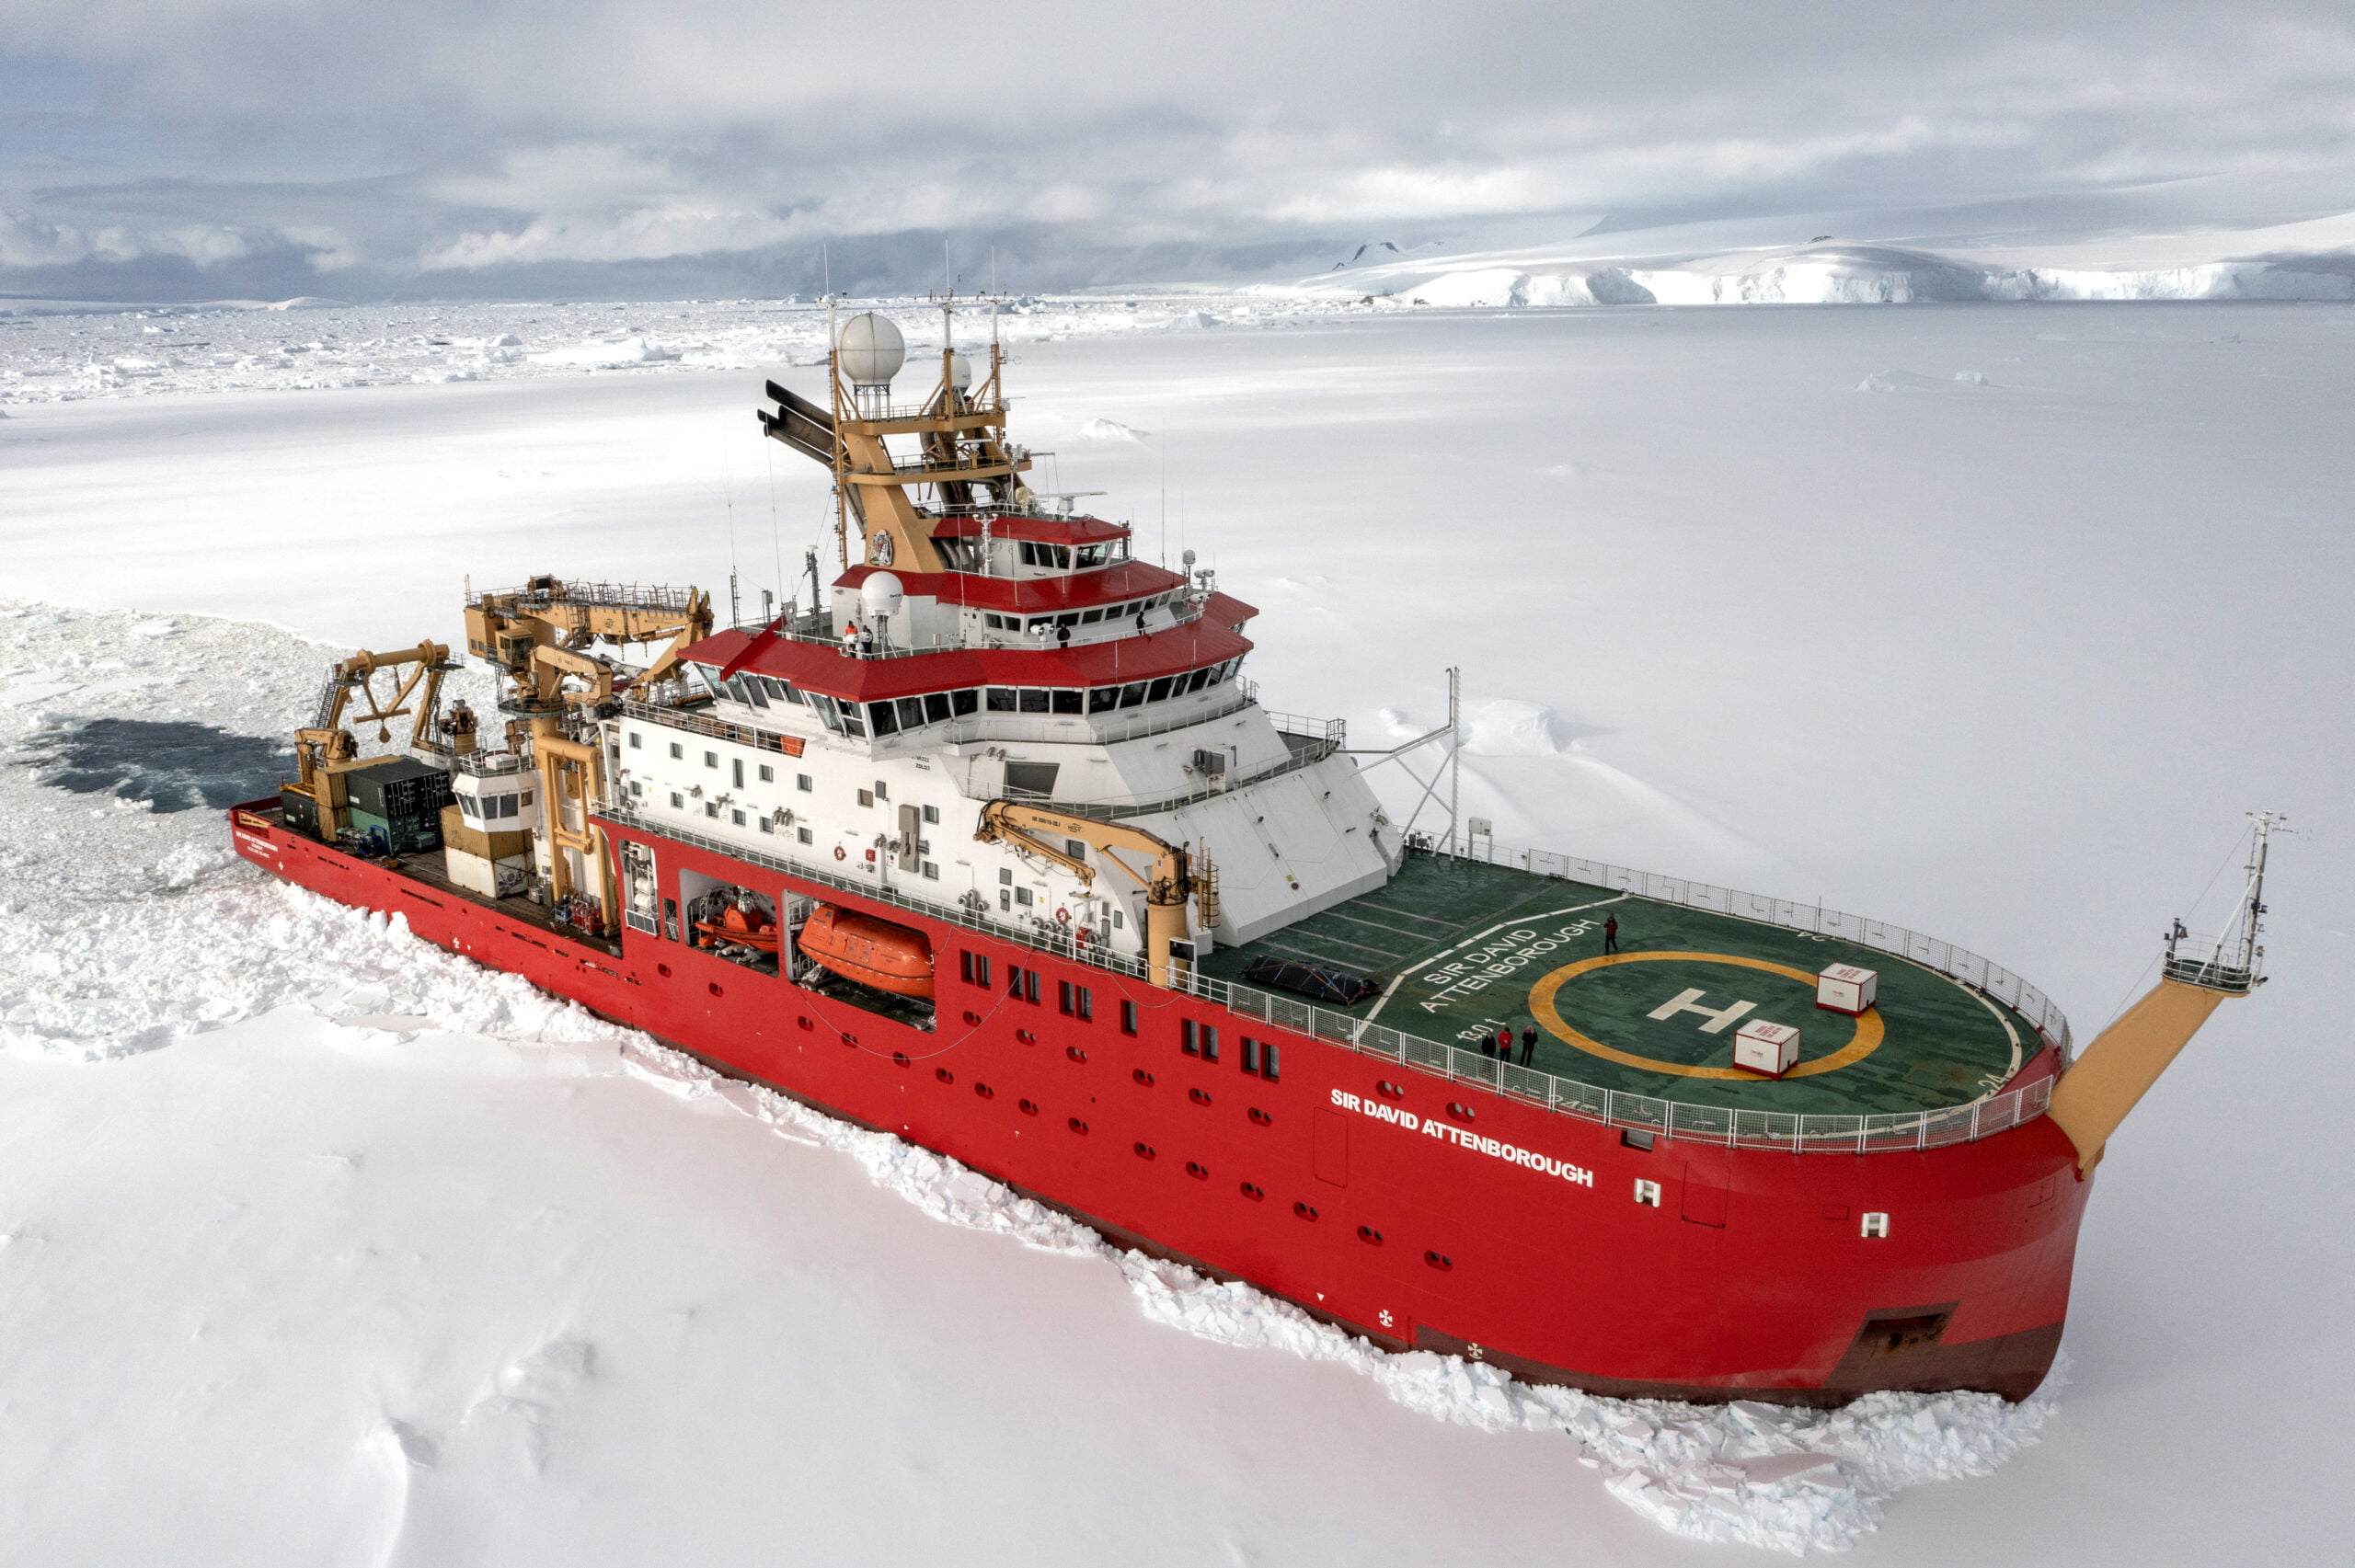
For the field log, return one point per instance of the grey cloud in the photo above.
(275, 144)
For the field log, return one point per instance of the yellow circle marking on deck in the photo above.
(1862, 1044)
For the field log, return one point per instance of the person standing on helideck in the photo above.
(1528, 1044)
(1610, 933)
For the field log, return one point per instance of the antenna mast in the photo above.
(2234, 960)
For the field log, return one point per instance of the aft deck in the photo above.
(1465, 948)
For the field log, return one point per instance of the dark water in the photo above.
(178, 766)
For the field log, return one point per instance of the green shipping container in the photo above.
(399, 835)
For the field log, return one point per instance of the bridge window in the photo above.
(1034, 699)
(881, 715)
(964, 702)
(1069, 702)
(1104, 699)
(1133, 694)
(1001, 699)
(936, 707)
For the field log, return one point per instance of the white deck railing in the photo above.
(1801, 1132)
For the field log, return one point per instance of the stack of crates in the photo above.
(399, 802)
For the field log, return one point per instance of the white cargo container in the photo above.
(488, 878)
(1771, 1049)
(1843, 988)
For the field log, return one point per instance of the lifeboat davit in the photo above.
(873, 951)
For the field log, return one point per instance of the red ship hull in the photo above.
(1510, 1237)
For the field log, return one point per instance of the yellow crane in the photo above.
(536, 634)
(325, 750)
(1168, 882)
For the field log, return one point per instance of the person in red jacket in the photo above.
(1610, 933)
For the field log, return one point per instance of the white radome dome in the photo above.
(961, 371)
(871, 349)
(881, 595)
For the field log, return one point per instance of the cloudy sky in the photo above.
(158, 149)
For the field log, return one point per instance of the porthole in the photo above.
(1144, 1078)
(1077, 1055)
(944, 1075)
(899, 1059)
(1200, 1172)
(714, 988)
(984, 1090)
(1460, 1111)
(1142, 1150)
(1389, 1090)
(1261, 1119)
(663, 970)
(1029, 1107)
(805, 1023)
(1303, 1211)
(1254, 1192)
(1439, 1261)
(1369, 1235)
(1077, 1125)
(1199, 1096)
(1026, 1037)
(851, 1040)
(973, 1017)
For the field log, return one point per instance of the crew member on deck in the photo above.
(1528, 1044)
(1610, 933)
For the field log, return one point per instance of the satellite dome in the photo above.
(961, 371)
(871, 349)
(880, 595)
(1189, 559)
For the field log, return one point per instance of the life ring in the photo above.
(1083, 936)
(840, 854)
(1062, 917)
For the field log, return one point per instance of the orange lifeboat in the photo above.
(744, 927)
(873, 951)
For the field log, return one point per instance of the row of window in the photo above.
(996, 623)
(1066, 557)
(491, 807)
(901, 714)
(1261, 1058)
